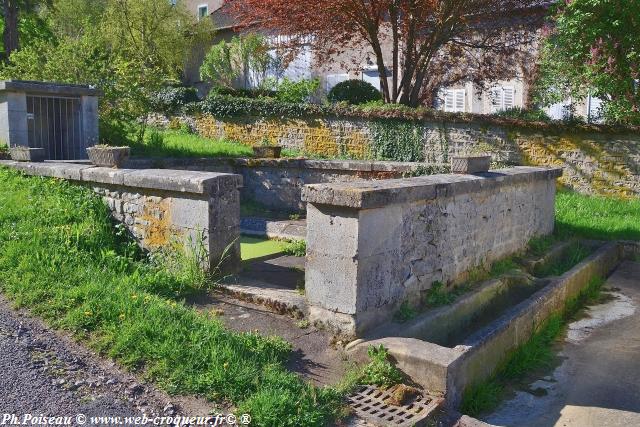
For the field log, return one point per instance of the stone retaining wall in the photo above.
(596, 159)
(196, 211)
(373, 246)
(278, 183)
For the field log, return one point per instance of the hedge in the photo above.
(224, 106)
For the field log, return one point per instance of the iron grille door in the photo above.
(55, 124)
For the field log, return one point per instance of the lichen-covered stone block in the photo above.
(194, 211)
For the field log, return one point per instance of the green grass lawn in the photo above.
(180, 144)
(62, 258)
(598, 218)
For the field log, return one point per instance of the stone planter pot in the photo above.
(108, 157)
(470, 164)
(267, 152)
(26, 154)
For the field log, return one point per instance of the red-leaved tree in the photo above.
(420, 45)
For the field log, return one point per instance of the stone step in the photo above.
(273, 229)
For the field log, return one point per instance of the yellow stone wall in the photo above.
(595, 162)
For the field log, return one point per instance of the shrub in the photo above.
(534, 115)
(354, 92)
(156, 139)
(296, 91)
(243, 93)
(172, 100)
(229, 106)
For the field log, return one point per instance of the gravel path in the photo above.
(43, 372)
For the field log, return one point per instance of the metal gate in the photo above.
(55, 124)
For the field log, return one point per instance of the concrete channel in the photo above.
(434, 353)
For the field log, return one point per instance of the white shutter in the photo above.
(460, 100)
(449, 100)
(508, 98)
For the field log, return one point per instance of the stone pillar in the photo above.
(13, 119)
(90, 128)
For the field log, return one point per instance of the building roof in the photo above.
(223, 18)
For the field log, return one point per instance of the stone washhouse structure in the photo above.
(62, 119)
(375, 241)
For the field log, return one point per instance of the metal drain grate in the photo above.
(369, 403)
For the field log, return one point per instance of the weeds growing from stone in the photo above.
(575, 254)
(380, 371)
(404, 313)
(297, 248)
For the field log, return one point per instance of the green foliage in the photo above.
(397, 140)
(404, 313)
(354, 92)
(534, 115)
(600, 218)
(244, 57)
(594, 47)
(127, 48)
(297, 248)
(228, 106)
(155, 140)
(481, 397)
(540, 245)
(61, 258)
(293, 92)
(172, 100)
(242, 93)
(500, 267)
(380, 371)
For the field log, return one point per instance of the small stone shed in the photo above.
(61, 118)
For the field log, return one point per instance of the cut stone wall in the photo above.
(278, 183)
(165, 209)
(373, 246)
(596, 159)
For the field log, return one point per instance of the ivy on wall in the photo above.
(397, 141)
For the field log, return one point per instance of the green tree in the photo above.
(245, 57)
(13, 12)
(593, 46)
(127, 48)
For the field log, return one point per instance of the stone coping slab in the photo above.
(376, 194)
(180, 181)
(49, 88)
(336, 165)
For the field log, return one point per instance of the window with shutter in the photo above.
(502, 98)
(454, 100)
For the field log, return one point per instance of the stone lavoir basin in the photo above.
(448, 348)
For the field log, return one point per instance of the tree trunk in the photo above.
(10, 35)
